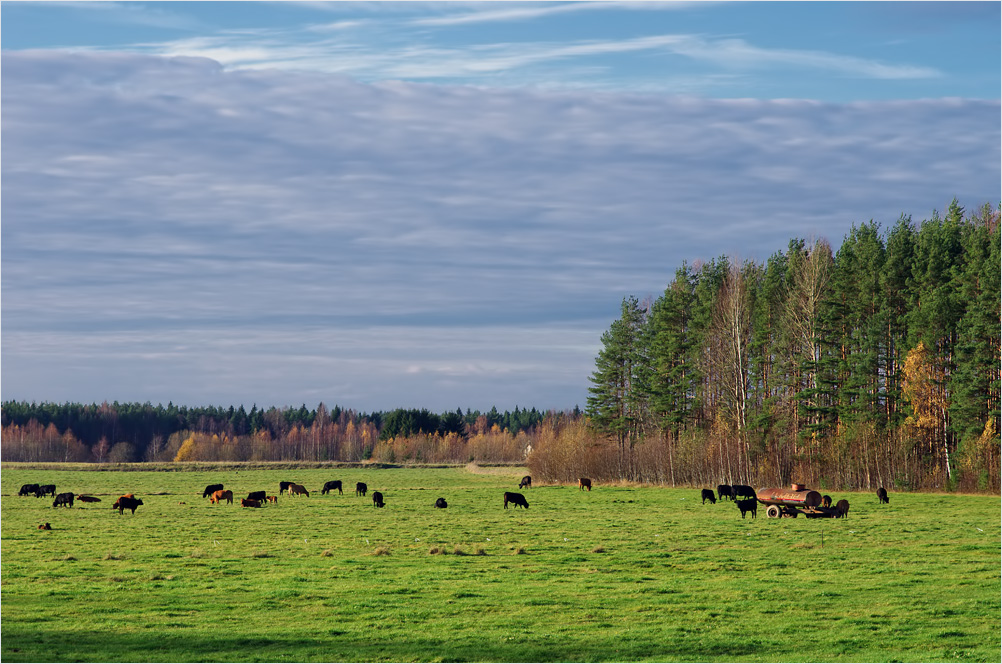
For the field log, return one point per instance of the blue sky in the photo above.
(440, 205)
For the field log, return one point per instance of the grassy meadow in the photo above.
(623, 573)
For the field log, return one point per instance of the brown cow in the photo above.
(826, 501)
(245, 502)
(45, 526)
(584, 483)
(298, 490)
(841, 509)
(273, 499)
(219, 496)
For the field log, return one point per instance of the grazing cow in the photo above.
(258, 495)
(127, 502)
(515, 499)
(273, 499)
(211, 489)
(747, 506)
(45, 526)
(841, 509)
(724, 491)
(65, 499)
(826, 501)
(882, 496)
(330, 486)
(284, 486)
(360, 489)
(377, 499)
(46, 490)
(738, 490)
(584, 483)
(244, 502)
(28, 490)
(812, 499)
(526, 482)
(441, 503)
(298, 490)
(219, 496)
(88, 499)
(708, 495)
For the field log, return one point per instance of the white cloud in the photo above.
(264, 236)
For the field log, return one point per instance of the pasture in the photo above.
(621, 573)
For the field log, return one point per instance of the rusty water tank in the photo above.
(789, 497)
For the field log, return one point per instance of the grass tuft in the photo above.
(381, 551)
(519, 550)
(261, 554)
(326, 553)
(598, 549)
(456, 550)
(112, 556)
(434, 551)
(197, 553)
(479, 551)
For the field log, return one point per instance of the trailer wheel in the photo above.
(774, 512)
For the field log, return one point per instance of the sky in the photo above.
(440, 204)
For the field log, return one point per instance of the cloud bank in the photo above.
(176, 231)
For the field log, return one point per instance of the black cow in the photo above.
(515, 499)
(284, 486)
(708, 495)
(65, 499)
(747, 506)
(724, 491)
(841, 509)
(738, 490)
(584, 483)
(126, 503)
(526, 482)
(330, 486)
(46, 490)
(258, 495)
(882, 496)
(28, 490)
(826, 501)
(211, 489)
(441, 503)
(360, 488)
(377, 499)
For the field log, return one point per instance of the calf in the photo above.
(45, 526)
(330, 486)
(526, 482)
(245, 502)
(516, 499)
(46, 490)
(826, 501)
(298, 490)
(747, 506)
(64, 499)
(211, 489)
(88, 499)
(219, 496)
(377, 499)
(742, 490)
(126, 502)
(441, 503)
(724, 491)
(584, 483)
(841, 509)
(882, 496)
(28, 490)
(273, 499)
(360, 489)
(258, 495)
(708, 495)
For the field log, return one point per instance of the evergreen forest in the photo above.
(874, 365)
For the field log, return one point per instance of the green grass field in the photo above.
(618, 574)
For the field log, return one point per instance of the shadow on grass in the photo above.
(34, 644)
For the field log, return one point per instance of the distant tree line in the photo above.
(876, 365)
(143, 432)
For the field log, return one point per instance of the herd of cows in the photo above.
(743, 496)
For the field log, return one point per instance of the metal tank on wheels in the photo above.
(792, 502)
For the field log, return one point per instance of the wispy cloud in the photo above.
(305, 234)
